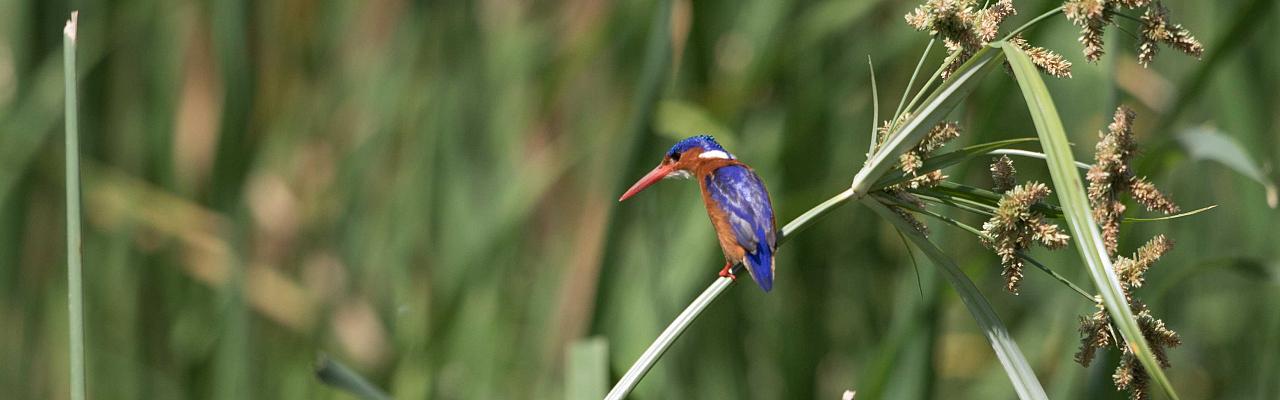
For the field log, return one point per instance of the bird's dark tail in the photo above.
(760, 264)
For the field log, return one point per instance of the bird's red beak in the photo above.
(649, 179)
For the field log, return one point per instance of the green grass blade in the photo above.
(1031, 154)
(333, 373)
(931, 111)
(75, 290)
(587, 376)
(1007, 351)
(1171, 217)
(911, 82)
(1075, 207)
(988, 197)
(875, 108)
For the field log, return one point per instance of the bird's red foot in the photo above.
(725, 273)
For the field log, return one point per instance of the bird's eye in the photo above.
(675, 156)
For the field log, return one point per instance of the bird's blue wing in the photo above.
(742, 196)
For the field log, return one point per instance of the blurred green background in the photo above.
(426, 191)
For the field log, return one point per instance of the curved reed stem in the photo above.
(686, 317)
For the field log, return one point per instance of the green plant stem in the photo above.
(914, 73)
(1033, 21)
(947, 201)
(1170, 217)
(75, 289)
(914, 99)
(875, 109)
(981, 235)
(686, 317)
(1031, 154)
(948, 159)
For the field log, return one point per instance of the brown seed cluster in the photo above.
(912, 160)
(1109, 177)
(1130, 375)
(963, 27)
(1131, 271)
(1045, 60)
(1112, 175)
(1093, 16)
(1157, 29)
(1015, 226)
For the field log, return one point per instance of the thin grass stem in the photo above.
(982, 235)
(1169, 217)
(875, 109)
(1031, 154)
(75, 289)
(920, 94)
(982, 210)
(1033, 21)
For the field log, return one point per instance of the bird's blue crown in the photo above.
(706, 142)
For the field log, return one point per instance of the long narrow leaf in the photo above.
(1007, 351)
(949, 158)
(875, 108)
(1075, 207)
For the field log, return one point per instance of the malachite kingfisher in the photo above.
(736, 201)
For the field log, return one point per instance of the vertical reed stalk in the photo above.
(75, 292)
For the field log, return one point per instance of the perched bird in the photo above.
(736, 201)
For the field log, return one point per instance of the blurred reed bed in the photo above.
(425, 192)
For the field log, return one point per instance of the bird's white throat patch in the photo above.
(715, 154)
(679, 174)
